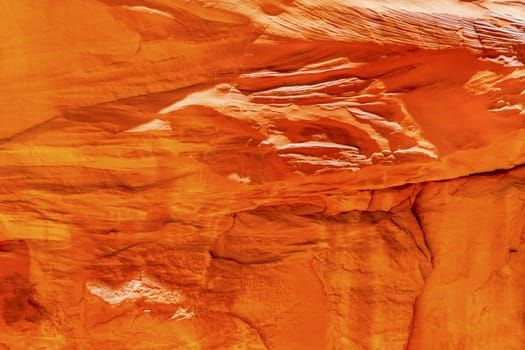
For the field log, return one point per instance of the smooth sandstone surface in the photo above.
(262, 174)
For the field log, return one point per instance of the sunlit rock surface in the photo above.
(262, 174)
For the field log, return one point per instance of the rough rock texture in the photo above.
(262, 174)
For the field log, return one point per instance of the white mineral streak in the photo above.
(142, 288)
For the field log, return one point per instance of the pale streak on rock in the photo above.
(181, 314)
(154, 125)
(240, 179)
(143, 288)
(148, 10)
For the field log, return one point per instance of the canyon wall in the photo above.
(262, 174)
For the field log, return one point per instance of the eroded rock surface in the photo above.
(262, 174)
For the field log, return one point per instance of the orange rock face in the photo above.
(262, 174)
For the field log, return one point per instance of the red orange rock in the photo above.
(262, 175)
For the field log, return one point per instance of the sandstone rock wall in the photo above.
(262, 174)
